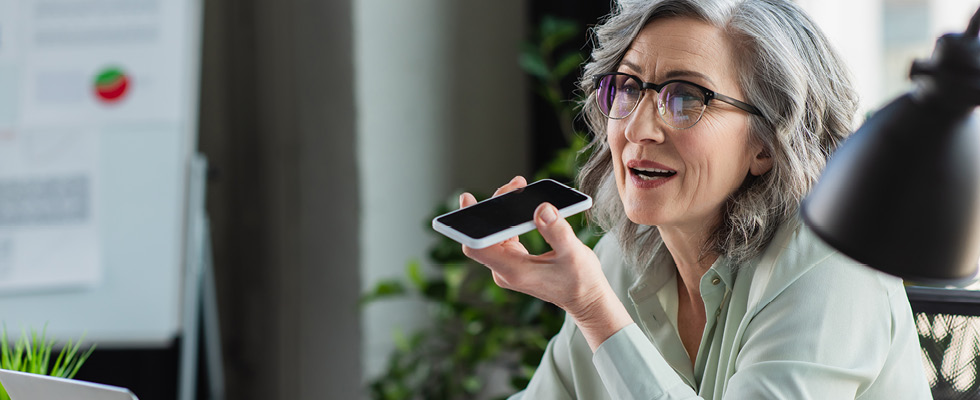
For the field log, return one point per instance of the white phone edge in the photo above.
(506, 233)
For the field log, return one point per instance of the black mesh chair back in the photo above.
(948, 321)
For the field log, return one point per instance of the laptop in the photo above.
(25, 386)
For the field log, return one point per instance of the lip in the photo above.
(643, 183)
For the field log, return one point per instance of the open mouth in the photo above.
(649, 174)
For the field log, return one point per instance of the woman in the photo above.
(712, 120)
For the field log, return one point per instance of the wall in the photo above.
(855, 30)
(440, 105)
(879, 39)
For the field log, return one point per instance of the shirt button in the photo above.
(716, 281)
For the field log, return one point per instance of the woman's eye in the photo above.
(630, 89)
(691, 101)
(686, 97)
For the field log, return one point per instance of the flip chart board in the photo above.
(98, 103)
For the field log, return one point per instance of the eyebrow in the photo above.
(677, 73)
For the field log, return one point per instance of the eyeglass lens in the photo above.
(680, 105)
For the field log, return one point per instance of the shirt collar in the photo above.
(661, 270)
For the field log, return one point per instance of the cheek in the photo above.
(720, 162)
(616, 144)
(614, 136)
(727, 174)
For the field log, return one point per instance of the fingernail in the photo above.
(549, 215)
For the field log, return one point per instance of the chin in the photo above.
(642, 218)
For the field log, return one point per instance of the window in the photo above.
(879, 39)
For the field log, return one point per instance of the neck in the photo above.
(685, 246)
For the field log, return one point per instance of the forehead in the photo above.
(664, 47)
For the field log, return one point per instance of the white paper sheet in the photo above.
(49, 225)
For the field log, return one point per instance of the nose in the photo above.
(644, 124)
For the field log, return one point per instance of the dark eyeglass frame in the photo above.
(708, 96)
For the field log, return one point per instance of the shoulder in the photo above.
(798, 262)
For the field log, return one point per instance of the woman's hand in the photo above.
(569, 276)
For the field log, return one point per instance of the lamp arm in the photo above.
(951, 77)
(974, 28)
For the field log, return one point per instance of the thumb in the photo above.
(555, 230)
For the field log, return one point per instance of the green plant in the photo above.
(32, 353)
(477, 326)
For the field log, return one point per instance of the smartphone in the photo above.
(500, 218)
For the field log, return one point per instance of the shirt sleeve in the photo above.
(553, 380)
(566, 371)
(631, 368)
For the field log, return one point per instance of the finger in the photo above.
(466, 200)
(555, 230)
(507, 252)
(500, 280)
(515, 183)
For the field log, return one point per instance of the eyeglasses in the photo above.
(679, 103)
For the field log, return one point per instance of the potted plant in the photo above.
(32, 353)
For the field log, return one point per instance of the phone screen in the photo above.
(510, 209)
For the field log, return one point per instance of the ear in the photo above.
(761, 164)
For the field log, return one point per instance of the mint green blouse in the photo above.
(800, 321)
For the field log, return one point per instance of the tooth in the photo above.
(657, 170)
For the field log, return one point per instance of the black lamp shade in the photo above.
(903, 193)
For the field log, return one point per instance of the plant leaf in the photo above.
(534, 64)
(454, 274)
(384, 289)
(472, 384)
(81, 360)
(568, 64)
(556, 31)
(415, 276)
(436, 291)
(4, 349)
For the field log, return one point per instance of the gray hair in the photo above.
(786, 68)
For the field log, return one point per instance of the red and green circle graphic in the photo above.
(111, 85)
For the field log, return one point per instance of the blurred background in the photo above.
(334, 130)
